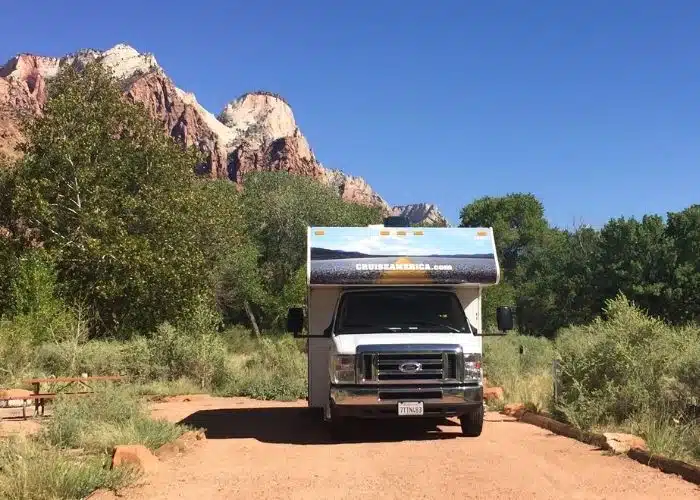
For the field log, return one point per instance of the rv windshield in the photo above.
(400, 311)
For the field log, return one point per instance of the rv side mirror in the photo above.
(504, 318)
(295, 320)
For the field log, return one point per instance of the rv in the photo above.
(393, 321)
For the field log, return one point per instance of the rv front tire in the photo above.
(472, 422)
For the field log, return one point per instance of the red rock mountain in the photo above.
(257, 131)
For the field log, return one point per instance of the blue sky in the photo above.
(434, 241)
(592, 106)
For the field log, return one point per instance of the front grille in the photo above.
(382, 365)
(388, 366)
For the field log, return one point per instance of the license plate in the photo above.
(411, 408)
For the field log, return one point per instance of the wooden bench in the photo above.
(40, 398)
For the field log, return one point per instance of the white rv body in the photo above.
(322, 302)
(416, 350)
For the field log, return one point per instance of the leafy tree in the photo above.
(518, 224)
(240, 287)
(8, 242)
(634, 258)
(277, 208)
(113, 200)
(556, 282)
(221, 227)
(683, 230)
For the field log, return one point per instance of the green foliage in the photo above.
(199, 356)
(526, 377)
(8, 247)
(628, 369)
(114, 202)
(564, 277)
(8, 268)
(266, 269)
(277, 370)
(99, 421)
(556, 282)
(31, 470)
(170, 354)
(517, 220)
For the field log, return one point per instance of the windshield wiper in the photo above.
(437, 325)
(371, 327)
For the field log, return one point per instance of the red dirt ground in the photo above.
(264, 450)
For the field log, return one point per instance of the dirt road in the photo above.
(260, 450)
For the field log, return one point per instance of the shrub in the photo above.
(525, 378)
(201, 357)
(277, 370)
(99, 421)
(33, 471)
(240, 340)
(169, 355)
(15, 351)
(632, 370)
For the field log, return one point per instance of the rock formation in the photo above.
(421, 213)
(255, 132)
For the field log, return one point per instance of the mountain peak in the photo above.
(259, 117)
(256, 131)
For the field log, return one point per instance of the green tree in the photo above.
(683, 231)
(277, 208)
(634, 257)
(8, 243)
(555, 279)
(517, 220)
(240, 290)
(113, 200)
(519, 227)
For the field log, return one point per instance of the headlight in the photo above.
(343, 368)
(472, 367)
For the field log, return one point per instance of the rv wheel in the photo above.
(472, 422)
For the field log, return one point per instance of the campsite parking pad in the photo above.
(262, 450)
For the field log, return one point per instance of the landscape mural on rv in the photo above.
(381, 255)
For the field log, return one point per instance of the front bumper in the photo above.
(382, 401)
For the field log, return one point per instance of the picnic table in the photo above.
(40, 398)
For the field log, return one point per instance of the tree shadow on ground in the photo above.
(305, 426)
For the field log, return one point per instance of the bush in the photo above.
(525, 378)
(33, 471)
(276, 371)
(631, 370)
(99, 421)
(169, 355)
(15, 351)
(199, 356)
(240, 340)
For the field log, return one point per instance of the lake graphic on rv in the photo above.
(363, 255)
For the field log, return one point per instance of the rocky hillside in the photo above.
(257, 131)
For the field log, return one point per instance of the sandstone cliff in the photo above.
(421, 213)
(256, 131)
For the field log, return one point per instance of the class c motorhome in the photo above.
(393, 321)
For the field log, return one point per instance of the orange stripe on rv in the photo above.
(319, 233)
(418, 233)
(482, 233)
(384, 233)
